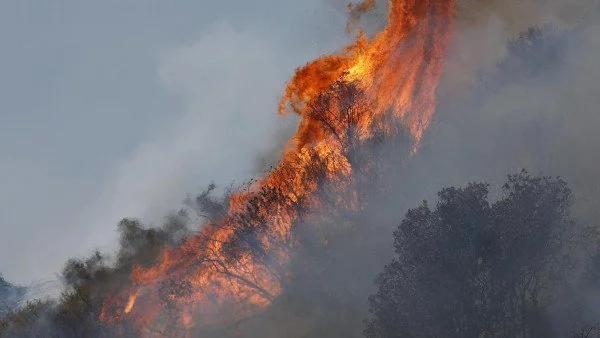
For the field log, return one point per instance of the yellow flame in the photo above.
(131, 302)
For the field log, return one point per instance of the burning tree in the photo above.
(238, 265)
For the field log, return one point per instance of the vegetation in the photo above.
(10, 296)
(520, 265)
(88, 281)
(471, 268)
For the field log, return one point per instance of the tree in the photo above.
(471, 268)
(87, 283)
(10, 296)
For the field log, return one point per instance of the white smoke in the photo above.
(227, 82)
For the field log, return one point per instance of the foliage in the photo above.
(466, 268)
(471, 268)
(10, 296)
(88, 281)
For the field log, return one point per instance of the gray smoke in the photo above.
(505, 103)
(511, 98)
(504, 107)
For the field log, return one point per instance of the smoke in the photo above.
(517, 16)
(503, 106)
(226, 81)
(513, 98)
(10, 296)
(510, 98)
(483, 29)
(506, 103)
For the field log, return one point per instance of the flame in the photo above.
(237, 266)
(131, 302)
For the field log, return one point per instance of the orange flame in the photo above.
(131, 302)
(237, 266)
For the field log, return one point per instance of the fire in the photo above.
(398, 68)
(237, 266)
(131, 302)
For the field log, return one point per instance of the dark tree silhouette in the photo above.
(471, 268)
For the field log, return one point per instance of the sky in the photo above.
(112, 109)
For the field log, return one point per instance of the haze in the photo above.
(112, 109)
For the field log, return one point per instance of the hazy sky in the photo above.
(119, 108)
